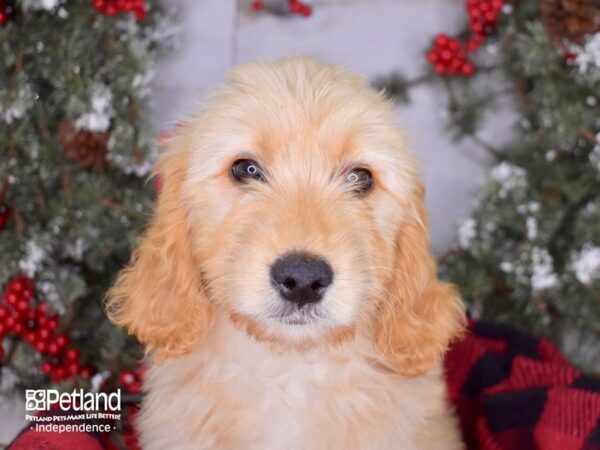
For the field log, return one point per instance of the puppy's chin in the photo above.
(287, 313)
(300, 330)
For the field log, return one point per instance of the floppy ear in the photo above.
(422, 314)
(159, 296)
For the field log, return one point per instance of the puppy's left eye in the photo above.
(360, 180)
(245, 169)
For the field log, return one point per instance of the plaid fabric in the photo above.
(515, 392)
(511, 392)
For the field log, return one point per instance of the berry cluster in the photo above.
(6, 10)
(483, 17)
(449, 57)
(132, 380)
(39, 329)
(4, 215)
(295, 7)
(113, 7)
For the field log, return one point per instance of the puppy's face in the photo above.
(291, 206)
(295, 192)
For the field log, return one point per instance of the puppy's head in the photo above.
(292, 207)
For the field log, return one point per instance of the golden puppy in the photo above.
(285, 290)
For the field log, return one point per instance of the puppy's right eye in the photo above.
(245, 169)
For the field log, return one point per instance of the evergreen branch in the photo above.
(18, 222)
(419, 80)
(489, 148)
(485, 69)
(11, 150)
(586, 134)
(40, 196)
(18, 62)
(66, 186)
(564, 229)
(446, 255)
(7, 360)
(109, 204)
(523, 96)
(396, 87)
(3, 190)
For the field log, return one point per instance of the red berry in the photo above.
(46, 368)
(85, 372)
(139, 13)
(41, 346)
(446, 55)
(295, 7)
(59, 374)
(468, 69)
(455, 64)
(42, 321)
(305, 10)
(127, 377)
(73, 368)
(30, 338)
(12, 298)
(257, 5)
(11, 321)
(52, 323)
(432, 56)
(473, 45)
(53, 349)
(43, 334)
(61, 341)
(474, 12)
(72, 355)
(17, 285)
(135, 387)
(41, 309)
(18, 328)
(441, 40)
(22, 306)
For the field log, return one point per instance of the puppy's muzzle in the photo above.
(301, 278)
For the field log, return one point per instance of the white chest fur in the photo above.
(236, 393)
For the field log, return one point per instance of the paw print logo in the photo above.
(35, 400)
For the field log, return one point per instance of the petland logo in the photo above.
(81, 410)
(78, 400)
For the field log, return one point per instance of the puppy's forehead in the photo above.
(304, 112)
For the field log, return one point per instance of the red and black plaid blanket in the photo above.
(511, 392)
(515, 392)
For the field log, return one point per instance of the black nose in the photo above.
(301, 278)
